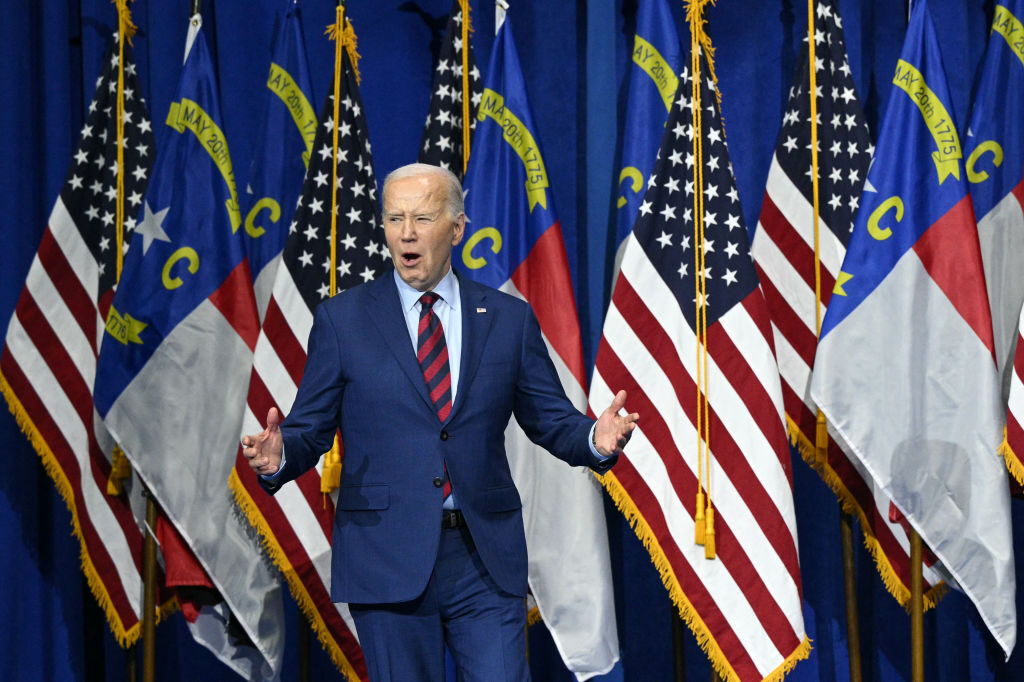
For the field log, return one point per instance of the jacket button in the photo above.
(438, 481)
(444, 435)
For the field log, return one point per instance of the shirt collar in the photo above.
(447, 289)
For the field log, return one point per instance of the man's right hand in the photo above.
(263, 450)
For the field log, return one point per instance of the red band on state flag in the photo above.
(235, 300)
(543, 280)
(951, 254)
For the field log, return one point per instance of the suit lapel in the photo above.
(477, 319)
(385, 309)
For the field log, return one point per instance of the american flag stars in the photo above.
(90, 192)
(665, 219)
(360, 254)
(442, 133)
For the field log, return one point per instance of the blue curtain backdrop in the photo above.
(575, 56)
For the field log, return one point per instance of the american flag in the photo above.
(744, 605)
(49, 359)
(783, 250)
(296, 522)
(442, 133)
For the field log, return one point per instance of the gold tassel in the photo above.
(709, 534)
(348, 39)
(124, 14)
(330, 478)
(120, 469)
(821, 438)
(698, 520)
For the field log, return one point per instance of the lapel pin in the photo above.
(481, 310)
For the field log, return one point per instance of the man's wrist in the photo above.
(593, 445)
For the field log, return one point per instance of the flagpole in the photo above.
(304, 648)
(916, 610)
(850, 587)
(465, 85)
(678, 647)
(149, 589)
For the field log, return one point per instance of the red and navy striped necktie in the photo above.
(432, 353)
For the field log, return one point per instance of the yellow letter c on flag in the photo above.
(884, 233)
(997, 160)
(186, 253)
(476, 262)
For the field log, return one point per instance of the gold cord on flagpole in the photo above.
(698, 218)
(464, 4)
(335, 31)
(125, 30)
(343, 35)
(821, 429)
(704, 518)
(120, 467)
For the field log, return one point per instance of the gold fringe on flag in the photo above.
(125, 637)
(685, 608)
(1013, 463)
(298, 589)
(891, 580)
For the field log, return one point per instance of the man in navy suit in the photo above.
(421, 371)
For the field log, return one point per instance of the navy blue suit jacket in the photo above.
(362, 376)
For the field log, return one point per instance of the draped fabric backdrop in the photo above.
(574, 57)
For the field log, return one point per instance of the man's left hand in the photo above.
(614, 430)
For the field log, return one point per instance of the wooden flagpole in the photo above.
(149, 593)
(850, 588)
(916, 610)
(678, 647)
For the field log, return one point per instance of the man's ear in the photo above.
(460, 229)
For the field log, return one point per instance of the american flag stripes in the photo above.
(745, 605)
(443, 131)
(783, 249)
(296, 522)
(49, 359)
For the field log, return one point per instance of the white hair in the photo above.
(453, 200)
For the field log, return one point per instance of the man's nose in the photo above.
(407, 232)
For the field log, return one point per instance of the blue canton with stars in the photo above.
(665, 227)
(442, 133)
(90, 193)
(844, 143)
(362, 254)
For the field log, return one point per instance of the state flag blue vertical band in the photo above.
(905, 369)
(657, 58)
(175, 361)
(287, 130)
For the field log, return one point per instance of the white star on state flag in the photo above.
(151, 228)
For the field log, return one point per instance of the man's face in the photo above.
(419, 231)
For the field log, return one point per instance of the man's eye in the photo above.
(424, 219)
